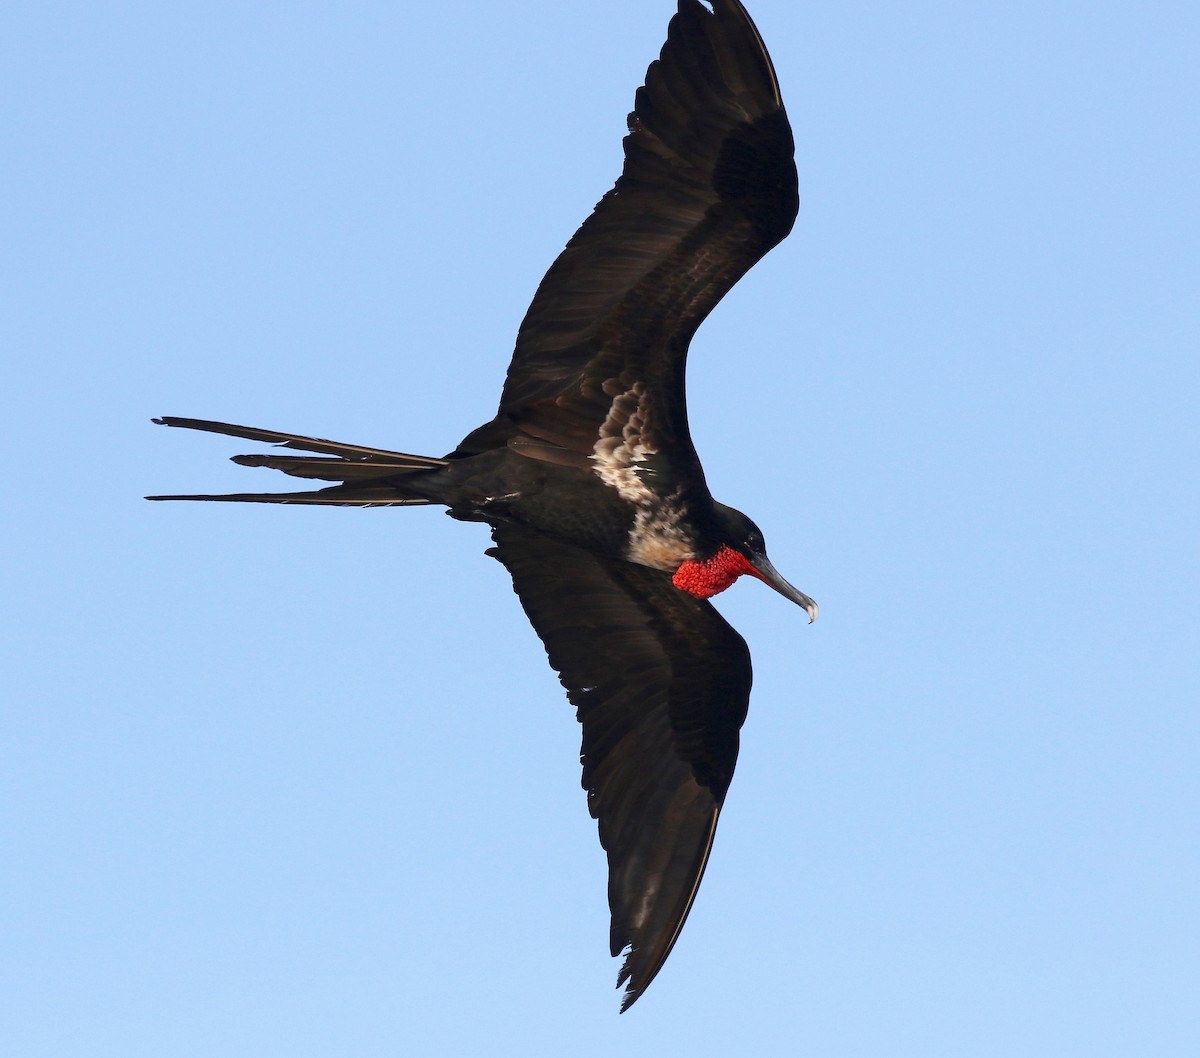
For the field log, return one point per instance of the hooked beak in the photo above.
(768, 574)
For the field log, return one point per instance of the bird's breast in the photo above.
(661, 535)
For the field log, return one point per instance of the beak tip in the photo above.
(770, 576)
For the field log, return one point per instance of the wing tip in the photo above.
(640, 977)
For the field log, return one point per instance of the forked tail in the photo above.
(370, 477)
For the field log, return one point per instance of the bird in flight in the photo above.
(588, 478)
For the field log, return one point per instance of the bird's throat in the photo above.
(712, 576)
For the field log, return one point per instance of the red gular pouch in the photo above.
(714, 575)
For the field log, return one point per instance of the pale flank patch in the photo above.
(622, 446)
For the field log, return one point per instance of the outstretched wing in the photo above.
(708, 187)
(661, 683)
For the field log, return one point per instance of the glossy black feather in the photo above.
(661, 683)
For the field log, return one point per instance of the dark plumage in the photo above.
(588, 478)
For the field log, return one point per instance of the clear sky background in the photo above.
(287, 782)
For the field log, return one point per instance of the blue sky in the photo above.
(299, 782)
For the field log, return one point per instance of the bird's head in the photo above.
(740, 549)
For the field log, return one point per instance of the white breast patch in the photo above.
(659, 537)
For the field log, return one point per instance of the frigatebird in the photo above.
(588, 478)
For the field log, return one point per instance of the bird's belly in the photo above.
(576, 507)
(592, 515)
(590, 519)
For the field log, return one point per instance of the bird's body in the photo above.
(588, 478)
